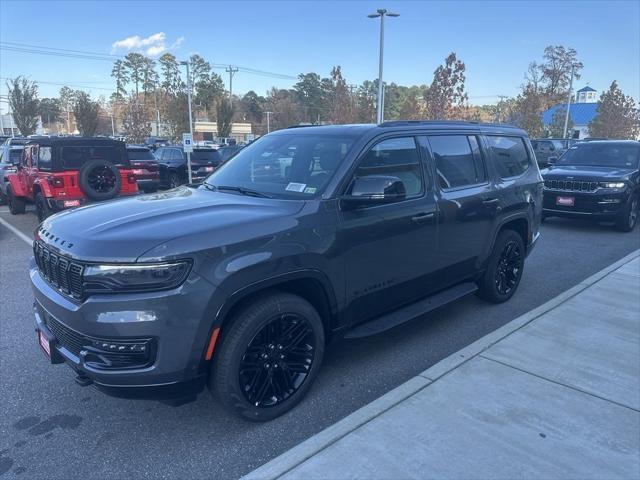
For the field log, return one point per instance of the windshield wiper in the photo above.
(242, 190)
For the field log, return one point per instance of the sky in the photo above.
(496, 40)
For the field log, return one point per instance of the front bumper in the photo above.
(177, 324)
(601, 204)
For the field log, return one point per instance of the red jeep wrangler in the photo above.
(57, 173)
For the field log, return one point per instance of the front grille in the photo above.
(571, 185)
(59, 271)
(102, 353)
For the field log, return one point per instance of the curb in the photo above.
(292, 458)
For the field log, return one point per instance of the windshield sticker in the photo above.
(310, 190)
(296, 187)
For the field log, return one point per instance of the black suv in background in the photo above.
(145, 168)
(305, 235)
(173, 164)
(598, 180)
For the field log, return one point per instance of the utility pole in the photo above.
(231, 70)
(381, 13)
(500, 103)
(113, 126)
(566, 118)
(268, 123)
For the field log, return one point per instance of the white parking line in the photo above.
(21, 235)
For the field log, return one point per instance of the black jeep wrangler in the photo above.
(305, 235)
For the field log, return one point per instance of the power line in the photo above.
(86, 55)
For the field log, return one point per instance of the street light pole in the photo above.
(381, 13)
(566, 118)
(190, 119)
(268, 123)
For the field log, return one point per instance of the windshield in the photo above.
(285, 166)
(602, 155)
(205, 156)
(559, 144)
(141, 155)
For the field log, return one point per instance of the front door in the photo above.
(389, 250)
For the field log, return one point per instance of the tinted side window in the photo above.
(457, 160)
(44, 158)
(509, 154)
(397, 157)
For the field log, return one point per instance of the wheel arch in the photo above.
(312, 285)
(519, 223)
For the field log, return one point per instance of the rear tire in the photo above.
(628, 218)
(42, 207)
(17, 205)
(269, 356)
(504, 269)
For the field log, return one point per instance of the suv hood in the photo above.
(586, 173)
(124, 229)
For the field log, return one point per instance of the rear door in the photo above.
(467, 203)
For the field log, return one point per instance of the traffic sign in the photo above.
(187, 142)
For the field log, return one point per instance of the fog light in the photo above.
(120, 347)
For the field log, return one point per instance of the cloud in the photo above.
(153, 45)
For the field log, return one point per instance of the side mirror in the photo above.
(375, 190)
(552, 160)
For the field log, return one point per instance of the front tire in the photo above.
(17, 205)
(42, 207)
(174, 180)
(269, 356)
(504, 269)
(628, 218)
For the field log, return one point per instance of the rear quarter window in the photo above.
(510, 155)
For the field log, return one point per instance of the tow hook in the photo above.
(83, 380)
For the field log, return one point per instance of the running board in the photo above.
(409, 312)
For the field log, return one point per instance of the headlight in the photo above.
(135, 277)
(612, 185)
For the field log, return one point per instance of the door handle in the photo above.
(423, 217)
(491, 201)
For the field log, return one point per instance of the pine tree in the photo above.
(617, 115)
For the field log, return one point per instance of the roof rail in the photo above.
(302, 125)
(398, 123)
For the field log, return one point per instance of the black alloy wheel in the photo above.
(174, 180)
(277, 360)
(629, 215)
(101, 179)
(508, 271)
(267, 356)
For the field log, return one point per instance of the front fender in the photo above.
(16, 187)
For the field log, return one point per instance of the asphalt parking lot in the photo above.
(52, 428)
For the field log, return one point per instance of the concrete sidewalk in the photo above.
(553, 394)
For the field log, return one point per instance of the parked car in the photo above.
(57, 173)
(598, 180)
(155, 142)
(10, 154)
(145, 167)
(228, 151)
(173, 164)
(238, 283)
(547, 147)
